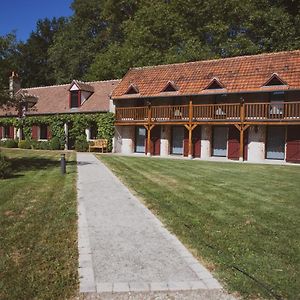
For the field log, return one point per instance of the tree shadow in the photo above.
(35, 163)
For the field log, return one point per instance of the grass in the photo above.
(38, 230)
(237, 218)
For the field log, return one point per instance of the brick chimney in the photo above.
(14, 83)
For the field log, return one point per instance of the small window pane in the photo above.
(74, 99)
(43, 132)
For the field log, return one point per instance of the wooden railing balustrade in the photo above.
(227, 112)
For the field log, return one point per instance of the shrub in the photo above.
(55, 144)
(9, 143)
(25, 144)
(44, 145)
(81, 144)
(5, 167)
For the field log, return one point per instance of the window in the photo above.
(132, 89)
(74, 99)
(275, 80)
(6, 132)
(215, 84)
(170, 87)
(43, 132)
(93, 131)
(276, 100)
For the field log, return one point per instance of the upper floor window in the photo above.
(274, 80)
(215, 84)
(79, 93)
(75, 99)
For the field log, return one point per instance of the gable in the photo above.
(170, 87)
(274, 80)
(132, 89)
(215, 84)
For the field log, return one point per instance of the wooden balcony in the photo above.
(246, 113)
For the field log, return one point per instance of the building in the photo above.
(74, 98)
(241, 108)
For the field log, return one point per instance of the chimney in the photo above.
(14, 83)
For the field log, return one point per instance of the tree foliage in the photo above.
(103, 38)
(33, 59)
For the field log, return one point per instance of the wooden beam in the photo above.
(238, 127)
(241, 144)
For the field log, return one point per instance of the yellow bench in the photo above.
(98, 144)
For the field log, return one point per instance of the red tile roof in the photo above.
(55, 99)
(237, 74)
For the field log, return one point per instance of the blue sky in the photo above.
(21, 15)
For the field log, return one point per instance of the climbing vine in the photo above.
(77, 123)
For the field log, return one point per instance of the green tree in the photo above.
(8, 52)
(33, 59)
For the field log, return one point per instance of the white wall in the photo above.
(256, 143)
(124, 139)
(206, 133)
(165, 140)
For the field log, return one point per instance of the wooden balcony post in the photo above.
(190, 112)
(242, 117)
(241, 144)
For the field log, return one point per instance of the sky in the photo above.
(22, 15)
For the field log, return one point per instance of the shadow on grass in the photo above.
(35, 163)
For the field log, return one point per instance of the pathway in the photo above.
(123, 247)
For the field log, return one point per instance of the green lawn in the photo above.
(38, 230)
(233, 216)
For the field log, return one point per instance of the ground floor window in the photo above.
(140, 136)
(275, 147)
(6, 132)
(177, 140)
(43, 132)
(93, 131)
(220, 136)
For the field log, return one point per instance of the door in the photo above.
(220, 134)
(177, 140)
(140, 137)
(234, 143)
(275, 142)
(196, 142)
(155, 140)
(293, 144)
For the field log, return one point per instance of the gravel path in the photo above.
(124, 250)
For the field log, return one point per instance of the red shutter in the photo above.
(11, 132)
(197, 141)
(293, 144)
(34, 132)
(233, 143)
(155, 140)
(49, 134)
(186, 142)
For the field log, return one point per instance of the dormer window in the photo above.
(75, 99)
(132, 89)
(170, 87)
(274, 80)
(215, 84)
(79, 93)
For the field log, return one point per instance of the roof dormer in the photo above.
(132, 89)
(170, 87)
(79, 93)
(274, 80)
(215, 84)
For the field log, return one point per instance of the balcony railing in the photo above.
(233, 112)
